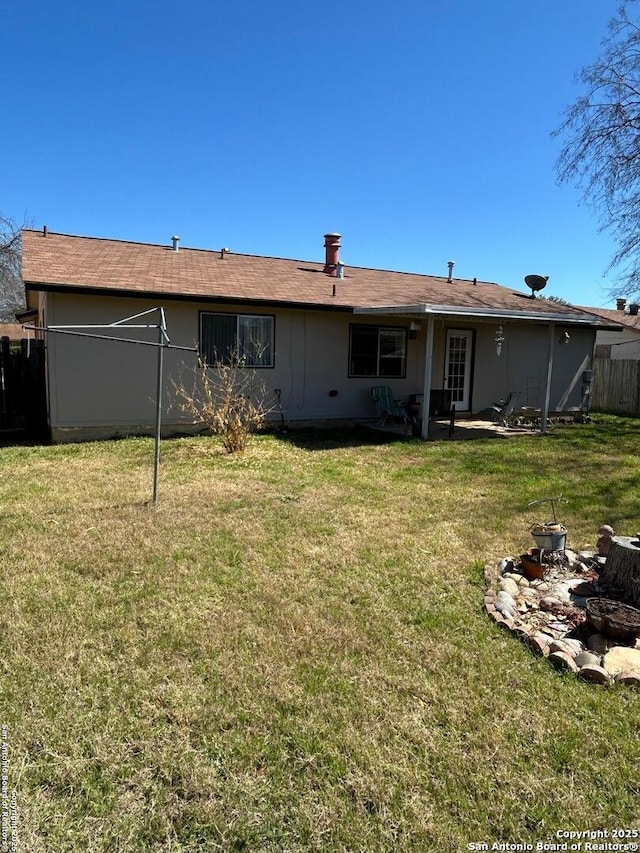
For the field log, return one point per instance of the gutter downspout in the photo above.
(428, 365)
(545, 413)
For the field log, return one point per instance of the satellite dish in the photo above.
(536, 282)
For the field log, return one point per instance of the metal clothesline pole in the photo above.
(63, 331)
(162, 343)
(162, 334)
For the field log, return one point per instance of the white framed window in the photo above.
(246, 339)
(379, 351)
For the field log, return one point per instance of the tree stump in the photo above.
(620, 577)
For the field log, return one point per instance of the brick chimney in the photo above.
(332, 253)
(620, 303)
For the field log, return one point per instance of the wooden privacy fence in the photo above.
(23, 405)
(616, 386)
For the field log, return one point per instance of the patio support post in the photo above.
(428, 365)
(547, 398)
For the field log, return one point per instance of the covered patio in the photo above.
(463, 429)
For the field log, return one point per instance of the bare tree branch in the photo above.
(12, 296)
(601, 142)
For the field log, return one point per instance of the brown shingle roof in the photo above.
(631, 321)
(89, 264)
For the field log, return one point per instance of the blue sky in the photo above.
(420, 130)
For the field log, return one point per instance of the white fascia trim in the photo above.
(497, 313)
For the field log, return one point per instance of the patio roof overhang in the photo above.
(429, 312)
(426, 309)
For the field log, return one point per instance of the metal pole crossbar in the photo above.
(63, 330)
(162, 343)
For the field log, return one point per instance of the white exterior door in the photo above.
(457, 367)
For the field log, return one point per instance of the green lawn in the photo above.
(290, 653)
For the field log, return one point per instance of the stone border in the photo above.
(599, 661)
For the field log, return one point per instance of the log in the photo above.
(620, 577)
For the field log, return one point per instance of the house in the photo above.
(325, 333)
(616, 368)
(623, 341)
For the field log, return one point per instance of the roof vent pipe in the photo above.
(633, 309)
(620, 303)
(45, 230)
(450, 264)
(175, 240)
(332, 253)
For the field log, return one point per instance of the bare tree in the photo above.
(12, 296)
(601, 142)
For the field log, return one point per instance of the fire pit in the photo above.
(576, 609)
(613, 619)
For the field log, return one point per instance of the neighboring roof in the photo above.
(13, 331)
(629, 321)
(91, 265)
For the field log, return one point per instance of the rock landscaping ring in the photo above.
(549, 615)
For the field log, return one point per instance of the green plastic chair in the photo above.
(386, 407)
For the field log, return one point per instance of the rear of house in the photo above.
(319, 335)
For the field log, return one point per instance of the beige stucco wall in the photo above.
(522, 365)
(110, 388)
(624, 344)
(106, 384)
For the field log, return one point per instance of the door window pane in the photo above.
(457, 362)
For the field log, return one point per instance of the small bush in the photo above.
(229, 399)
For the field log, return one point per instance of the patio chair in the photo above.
(501, 411)
(506, 410)
(386, 407)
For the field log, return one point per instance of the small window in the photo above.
(245, 339)
(379, 351)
